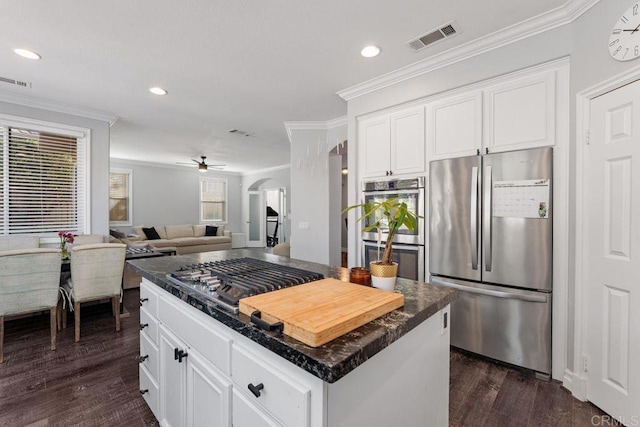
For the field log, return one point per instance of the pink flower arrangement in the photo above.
(65, 237)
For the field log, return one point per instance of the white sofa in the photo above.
(186, 238)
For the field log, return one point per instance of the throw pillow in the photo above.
(151, 233)
(211, 231)
(117, 234)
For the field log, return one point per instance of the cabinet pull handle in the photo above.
(179, 355)
(146, 390)
(142, 300)
(256, 317)
(143, 358)
(255, 389)
(143, 325)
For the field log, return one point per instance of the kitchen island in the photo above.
(201, 365)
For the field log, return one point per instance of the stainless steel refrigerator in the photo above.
(491, 238)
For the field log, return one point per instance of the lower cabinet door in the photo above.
(246, 414)
(208, 394)
(149, 390)
(172, 381)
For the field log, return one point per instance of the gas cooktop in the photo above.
(225, 282)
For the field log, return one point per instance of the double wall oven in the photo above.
(408, 246)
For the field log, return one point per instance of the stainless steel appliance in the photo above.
(491, 238)
(408, 248)
(225, 282)
(410, 258)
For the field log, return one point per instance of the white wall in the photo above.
(99, 163)
(585, 41)
(310, 196)
(170, 195)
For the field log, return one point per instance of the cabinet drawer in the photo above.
(191, 326)
(246, 414)
(282, 396)
(149, 299)
(148, 326)
(150, 391)
(149, 352)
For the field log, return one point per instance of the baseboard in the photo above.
(576, 384)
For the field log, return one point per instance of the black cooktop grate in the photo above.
(226, 282)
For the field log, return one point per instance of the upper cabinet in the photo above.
(521, 113)
(454, 126)
(392, 143)
(524, 109)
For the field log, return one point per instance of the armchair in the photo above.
(10, 243)
(29, 282)
(96, 273)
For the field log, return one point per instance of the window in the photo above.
(43, 178)
(213, 200)
(120, 202)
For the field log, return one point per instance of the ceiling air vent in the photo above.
(435, 35)
(240, 132)
(15, 82)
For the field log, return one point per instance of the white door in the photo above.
(256, 221)
(612, 271)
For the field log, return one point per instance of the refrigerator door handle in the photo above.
(474, 218)
(488, 292)
(487, 215)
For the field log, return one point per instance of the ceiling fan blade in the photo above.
(194, 160)
(185, 164)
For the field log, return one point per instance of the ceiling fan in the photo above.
(202, 166)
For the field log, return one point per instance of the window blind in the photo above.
(43, 183)
(213, 200)
(119, 197)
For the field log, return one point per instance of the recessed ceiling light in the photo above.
(370, 51)
(157, 91)
(25, 53)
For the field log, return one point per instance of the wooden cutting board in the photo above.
(318, 312)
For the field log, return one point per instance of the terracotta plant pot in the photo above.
(383, 276)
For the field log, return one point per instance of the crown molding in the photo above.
(530, 27)
(314, 125)
(45, 104)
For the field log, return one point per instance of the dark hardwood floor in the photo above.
(95, 382)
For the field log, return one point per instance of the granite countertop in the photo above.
(331, 361)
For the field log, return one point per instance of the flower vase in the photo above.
(65, 252)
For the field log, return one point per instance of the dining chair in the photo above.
(96, 273)
(86, 239)
(10, 243)
(29, 282)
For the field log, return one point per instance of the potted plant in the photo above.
(387, 215)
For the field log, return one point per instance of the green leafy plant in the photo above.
(388, 215)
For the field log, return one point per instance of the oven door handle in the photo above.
(390, 192)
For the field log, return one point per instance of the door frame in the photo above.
(576, 380)
(261, 205)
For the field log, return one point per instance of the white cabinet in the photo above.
(284, 397)
(210, 375)
(511, 114)
(246, 414)
(191, 393)
(392, 143)
(454, 126)
(521, 113)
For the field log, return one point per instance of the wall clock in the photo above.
(624, 42)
